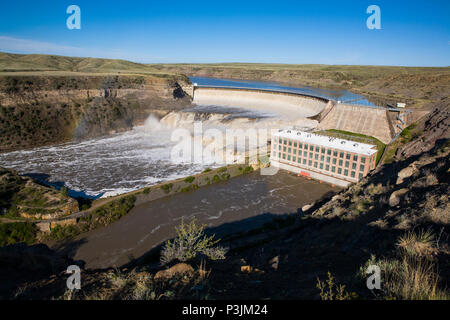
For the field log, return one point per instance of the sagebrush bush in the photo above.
(420, 244)
(190, 242)
(413, 275)
(409, 278)
(330, 290)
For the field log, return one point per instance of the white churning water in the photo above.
(111, 165)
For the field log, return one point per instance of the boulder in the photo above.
(274, 262)
(43, 226)
(250, 269)
(335, 197)
(405, 173)
(176, 270)
(396, 196)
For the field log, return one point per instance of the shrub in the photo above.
(420, 244)
(248, 169)
(409, 133)
(206, 170)
(64, 232)
(329, 290)
(185, 189)
(374, 189)
(17, 232)
(190, 242)
(413, 274)
(167, 187)
(189, 179)
(146, 191)
(362, 206)
(114, 210)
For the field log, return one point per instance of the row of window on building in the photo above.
(322, 158)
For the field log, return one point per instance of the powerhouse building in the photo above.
(333, 160)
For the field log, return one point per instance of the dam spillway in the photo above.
(368, 121)
(287, 105)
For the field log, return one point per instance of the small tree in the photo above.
(189, 242)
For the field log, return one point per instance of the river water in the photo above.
(251, 196)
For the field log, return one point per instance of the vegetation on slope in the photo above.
(100, 217)
(18, 232)
(22, 197)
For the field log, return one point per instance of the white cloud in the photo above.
(31, 46)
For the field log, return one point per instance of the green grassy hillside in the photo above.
(36, 62)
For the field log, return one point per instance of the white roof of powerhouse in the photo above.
(331, 142)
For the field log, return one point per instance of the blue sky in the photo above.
(414, 33)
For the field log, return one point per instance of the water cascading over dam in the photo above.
(244, 113)
(286, 105)
(248, 108)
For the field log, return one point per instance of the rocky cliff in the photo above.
(45, 109)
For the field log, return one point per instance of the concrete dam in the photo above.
(287, 105)
(307, 111)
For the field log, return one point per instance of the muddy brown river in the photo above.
(146, 226)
